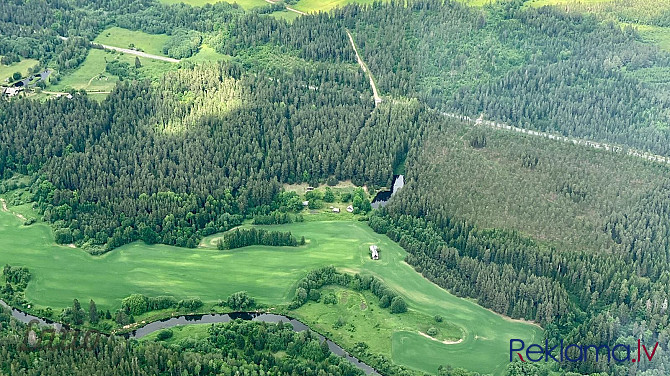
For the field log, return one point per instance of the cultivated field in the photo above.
(269, 274)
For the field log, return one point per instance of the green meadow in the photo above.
(6, 71)
(269, 274)
(124, 38)
(91, 74)
(310, 6)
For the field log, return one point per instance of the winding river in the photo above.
(205, 319)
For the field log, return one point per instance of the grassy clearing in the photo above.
(207, 53)
(91, 75)
(285, 14)
(357, 317)
(124, 38)
(245, 4)
(654, 34)
(180, 333)
(6, 71)
(269, 274)
(310, 6)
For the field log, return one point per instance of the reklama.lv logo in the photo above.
(578, 353)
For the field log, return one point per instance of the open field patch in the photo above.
(124, 38)
(6, 71)
(269, 274)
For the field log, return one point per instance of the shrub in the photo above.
(398, 305)
(240, 300)
(136, 304)
(190, 304)
(164, 334)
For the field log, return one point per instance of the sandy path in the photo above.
(576, 141)
(446, 342)
(375, 94)
(138, 53)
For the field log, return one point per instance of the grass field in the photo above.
(6, 71)
(124, 38)
(269, 274)
(654, 34)
(310, 6)
(207, 53)
(91, 75)
(245, 4)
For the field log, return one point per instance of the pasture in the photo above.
(269, 274)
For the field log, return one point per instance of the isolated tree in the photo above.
(398, 305)
(329, 196)
(93, 316)
(138, 63)
(78, 314)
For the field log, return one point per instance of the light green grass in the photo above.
(91, 75)
(245, 4)
(365, 321)
(207, 53)
(285, 14)
(268, 273)
(310, 6)
(182, 332)
(124, 38)
(6, 71)
(654, 34)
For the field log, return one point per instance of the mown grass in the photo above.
(357, 317)
(124, 38)
(269, 274)
(6, 71)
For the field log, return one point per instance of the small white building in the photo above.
(374, 252)
(305, 203)
(309, 189)
(350, 209)
(12, 91)
(336, 210)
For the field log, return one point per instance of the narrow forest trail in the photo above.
(576, 141)
(4, 205)
(375, 94)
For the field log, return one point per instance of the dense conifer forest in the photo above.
(575, 240)
(238, 347)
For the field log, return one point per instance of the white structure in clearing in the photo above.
(374, 252)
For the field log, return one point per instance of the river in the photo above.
(205, 319)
